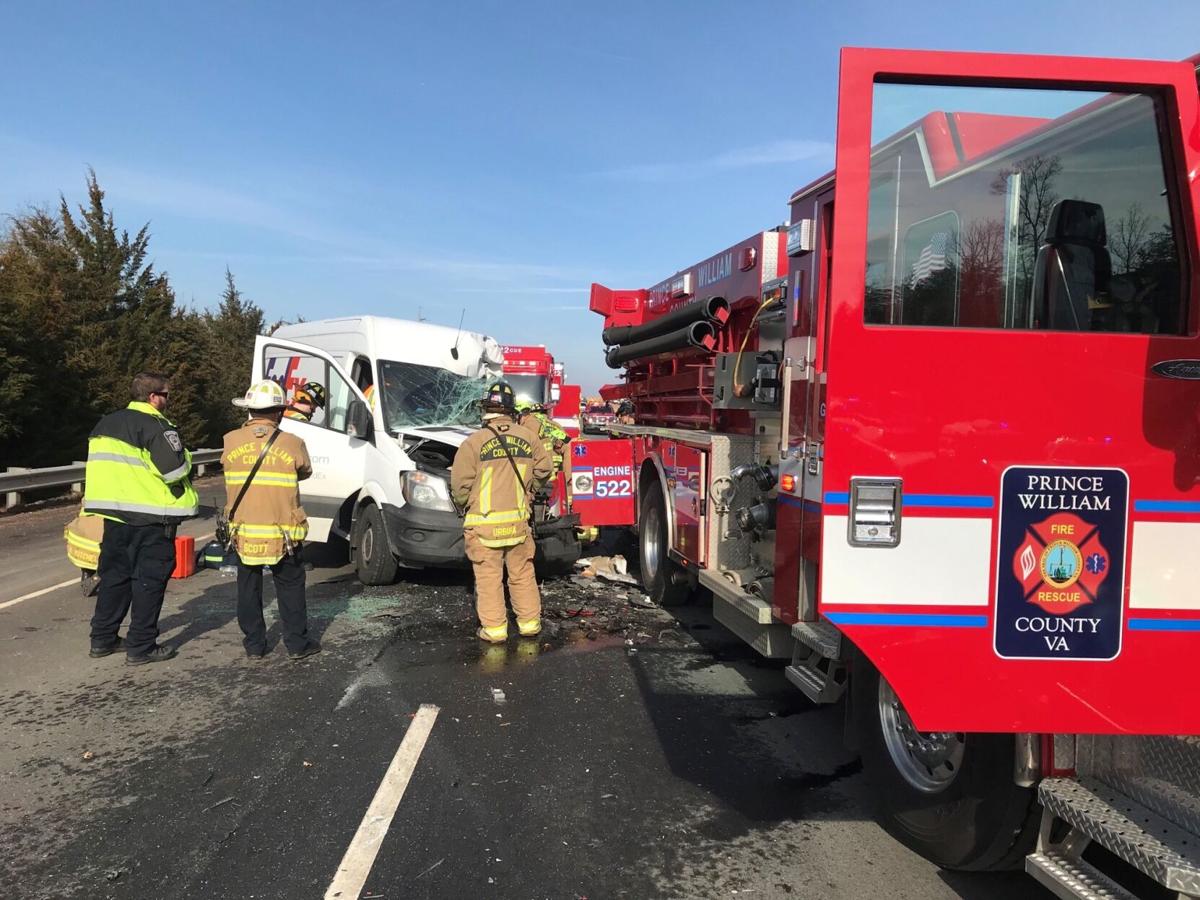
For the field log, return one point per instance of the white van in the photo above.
(402, 397)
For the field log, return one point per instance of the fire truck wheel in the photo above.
(660, 576)
(949, 796)
(372, 555)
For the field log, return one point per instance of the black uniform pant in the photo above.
(135, 565)
(288, 575)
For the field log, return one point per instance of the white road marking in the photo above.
(372, 677)
(360, 855)
(54, 587)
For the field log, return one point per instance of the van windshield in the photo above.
(417, 396)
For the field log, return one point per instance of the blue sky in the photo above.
(493, 156)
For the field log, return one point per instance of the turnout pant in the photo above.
(288, 575)
(489, 564)
(135, 565)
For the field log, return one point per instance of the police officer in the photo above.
(268, 523)
(534, 417)
(306, 401)
(494, 475)
(137, 480)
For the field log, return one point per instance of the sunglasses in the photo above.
(160, 393)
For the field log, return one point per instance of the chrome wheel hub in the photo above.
(928, 760)
(651, 549)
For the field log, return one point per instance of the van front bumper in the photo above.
(423, 537)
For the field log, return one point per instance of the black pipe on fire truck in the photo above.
(700, 334)
(712, 309)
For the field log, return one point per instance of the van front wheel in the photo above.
(372, 556)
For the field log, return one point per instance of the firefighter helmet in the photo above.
(527, 406)
(313, 392)
(263, 395)
(499, 398)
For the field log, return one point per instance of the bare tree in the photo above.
(1130, 237)
(1037, 194)
(983, 250)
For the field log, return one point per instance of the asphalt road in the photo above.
(686, 769)
(31, 547)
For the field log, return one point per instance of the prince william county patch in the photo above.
(1060, 573)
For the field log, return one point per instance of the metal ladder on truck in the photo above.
(1139, 799)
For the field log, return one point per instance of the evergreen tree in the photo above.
(82, 310)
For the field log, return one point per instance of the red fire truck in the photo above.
(936, 442)
(530, 371)
(566, 410)
(534, 375)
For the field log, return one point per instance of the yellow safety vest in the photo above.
(137, 469)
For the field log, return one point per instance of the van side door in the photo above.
(339, 456)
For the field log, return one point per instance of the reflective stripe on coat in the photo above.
(484, 480)
(270, 509)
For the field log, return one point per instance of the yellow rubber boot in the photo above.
(497, 635)
(531, 628)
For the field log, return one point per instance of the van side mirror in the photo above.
(359, 422)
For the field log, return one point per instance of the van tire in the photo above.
(979, 819)
(373, 558)
(661, 576)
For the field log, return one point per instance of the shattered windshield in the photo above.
(424, 396)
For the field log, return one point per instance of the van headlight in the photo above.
(426, 491)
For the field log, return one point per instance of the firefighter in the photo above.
(494, 476)
(267, 523)
(137, 481)
(306, 401)
(625, 414)
(534, 417)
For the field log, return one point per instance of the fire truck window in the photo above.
(1021, 209)
(881, 246)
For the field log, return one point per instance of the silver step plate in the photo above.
(1161, 772)
(1071, 879)
(820, 636)
(814, 685)
(1137, 835)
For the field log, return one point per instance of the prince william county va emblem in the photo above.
(1060, 572)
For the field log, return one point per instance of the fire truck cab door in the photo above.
(1011, 516)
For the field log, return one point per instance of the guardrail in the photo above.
(17, 479)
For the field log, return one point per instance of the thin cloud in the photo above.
(769, 154)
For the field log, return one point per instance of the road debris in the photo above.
(497, 695)
(589, 608)
(88, 755)
(609, 568)
(218, 803)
